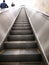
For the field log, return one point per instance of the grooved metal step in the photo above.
(20, 44)
(21, 37)
(21, 28)
(24, 55)
(20, 20)
(24, 22)
(20, 25)
(21, 32)
(20, 63)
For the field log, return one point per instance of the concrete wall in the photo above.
(7, 19)
(42, 5)
(40, 25)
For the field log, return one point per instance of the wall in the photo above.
(42, 5)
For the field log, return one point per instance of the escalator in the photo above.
(20, 47)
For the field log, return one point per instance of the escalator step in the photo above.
(20, 63)
(20, 25)
(21, 37)
(24, 22)
(20, 44)
(21, 28)
(21, 32)
(23, 55)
